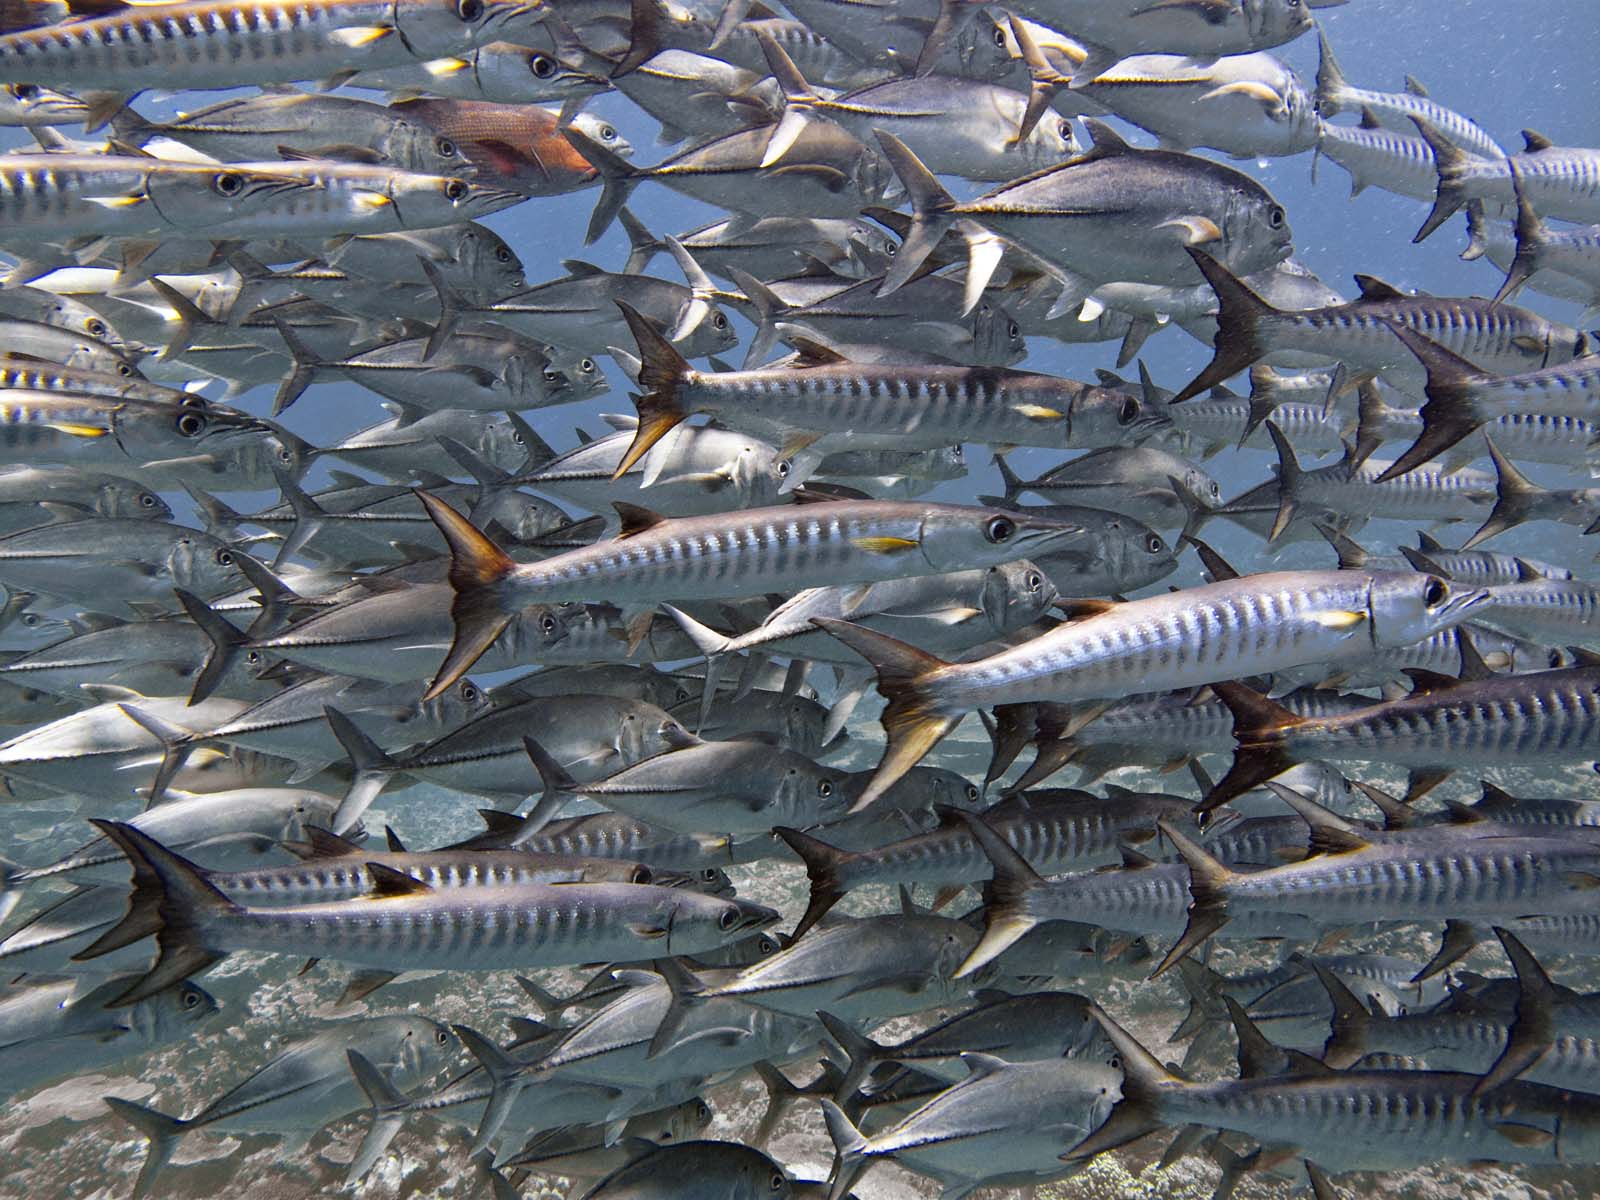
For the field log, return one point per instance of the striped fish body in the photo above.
(614, 835)
(233, 43)
(1396, 162)
(773, 549)
(1560, 611)
(492, 928)
(1255, 624)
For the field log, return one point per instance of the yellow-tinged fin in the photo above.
(441, 68)
(1006, 897)
(1339, 618)
(388, 883)
(1037, 412)
(1253, 88)
(361, 35)
(477, 566)
(1197, 230)
(371, 200)
(79, 430)
(910, 720)
(662, 373)
(1526, 1136)
(117, 201)
(648, 932)
(885, 544)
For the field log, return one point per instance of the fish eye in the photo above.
(702, 1110)
(551, 375)
(124, 370)
(25, 91)
(30, 619)
(1064, 129)
(455, 191)
(972, 792)
(1433, 593)
(502, 254)
(586, 366)
(542, 66)
(224, 558)
(516, 437)
(729, 918)
(227, 183)
(1555, 659)
(285, 454)
(146, 500)
(1035, 581)
(1000, 529)
(547, 623)
(824, 789)
(777, 1181)
(445, 147)
(190, 423)
(608, 133)
(191, 998)
(1216, 489)
(1128, 411)
(999, 37)
(1154, 544)
(469, 692)
(97, 328)
(640, 874)
(1275, 216)
(1013, 330)
(783, 467)
(719, 322)
(1116, 1062)
(441, 1038)
(469, 10)
(253, 658)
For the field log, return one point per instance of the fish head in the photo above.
(450, 708)
(117, 497)
(1255, 228)
(203, 565)
(519, 72)
(875, 179)
(535, 629)
(869, 250)
(425, 1047)
(34, 104)
(1016, 594)
(1111, 416)
(583, 373)
(436, 28)
(29, 628)
(1407, 606)
(958, 538)
(978, 47)
(444, 199)
(702, 328)
(204, 196)
(1274, 22)
(416, 147)
(172, 1012)
(603, 132)
(481, 262)
(996, 335)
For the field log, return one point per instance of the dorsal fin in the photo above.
(324, 843)
(1373, 288)
(635, 518)
(1369, 119)
(387, 882)
(497, 820)
(1533, 141)
(1424, 682)
(814, 354)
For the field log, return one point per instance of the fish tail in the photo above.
(171, 898)
(781, 1097)
(1237, 343)
(1531, 237)
(662, 372)
(823, 863)
(799, 101)
(449, 308)
(1208, 896)
(1007, 898)
(506, 1077)
(1012, 482)
(849, 1150)
(302, 372)
(1449, 162)
(190, 317)
(162, 1131)
(1350, 1032)
(618, 178)
(646, 36)
(226, 642)
(558, 787)
(477, 568)
(1289, 474)
(1330, 79)
(373, 768)
(862, 1052)
(1515, 498)
(1372, 423)
(176, 746)
(706, 639)
(643, 245)
(1144, 1081)
(1259, 755)
(1044, 81)
(1451, 414)
(769, 309)
(1206, 1007)
(687, 990)
(911, 721)
(219, 518)
(388, 1107)
(1534, 1031)
(932, 212)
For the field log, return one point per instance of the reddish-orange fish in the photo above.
(520, 144)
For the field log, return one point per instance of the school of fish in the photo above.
(834, 812)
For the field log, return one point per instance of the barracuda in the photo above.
(1255, 624)
(407, 924)
(232, 43)
(824, 392)
(1560, 181)
(754, 551)
(1442, 726)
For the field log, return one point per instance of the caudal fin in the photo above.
(162, 1131)
(1237, 343)
(849, 1150)
(1007, 898)
(662, 373)
(372, 766)
(618, 179)
(477, 568)
(388, 1112)
(910, 720)
(1450, 163)
(823, 864)
(226, 642)
(171, 898)
(1259, 753)
(1208, 896)
(932, 211)
(1451, 413)
(1144, 1081)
